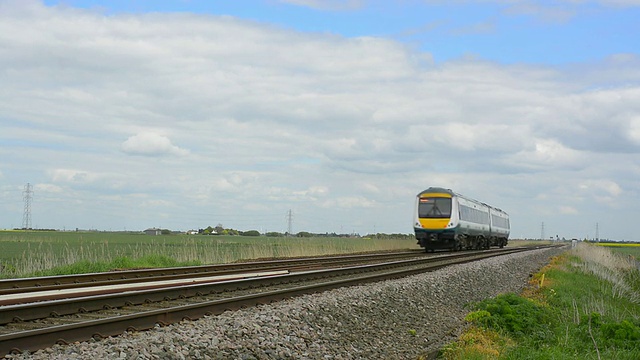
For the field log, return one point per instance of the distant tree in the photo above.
(251, 233)
(390, 236)
(274, 234)
(165, 232)
(219, 229)
(304, 234)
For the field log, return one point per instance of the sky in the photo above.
(326, 116)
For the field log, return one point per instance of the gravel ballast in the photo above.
(395, 319)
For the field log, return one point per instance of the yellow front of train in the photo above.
(435, 220)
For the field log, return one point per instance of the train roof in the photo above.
(438, 190)
(435, 189)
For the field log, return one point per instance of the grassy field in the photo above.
(624, 248)
(39, 253)
(584, 305)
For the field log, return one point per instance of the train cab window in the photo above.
(434, 207)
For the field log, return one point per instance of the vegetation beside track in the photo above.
(584, 305)
(41, 253)
(630, 249)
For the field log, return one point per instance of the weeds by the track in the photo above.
(584, 305)
(60, 253)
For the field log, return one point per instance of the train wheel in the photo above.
(457, 244)
(482, 243)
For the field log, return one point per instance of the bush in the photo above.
(514, 315)
(624, 334)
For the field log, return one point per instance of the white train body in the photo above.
(444, 219)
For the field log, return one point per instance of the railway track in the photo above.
(90, 311)
(15, 286)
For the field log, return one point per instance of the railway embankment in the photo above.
(396, 319)
(584, 305)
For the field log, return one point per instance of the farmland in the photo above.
(631, 249)
(41, 253)
(55, 252)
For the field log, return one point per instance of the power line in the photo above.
(26, 215)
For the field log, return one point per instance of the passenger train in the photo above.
(447, 220)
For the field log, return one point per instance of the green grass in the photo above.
(37, 253)
(121, 263)
(633, 251)
(588, 307)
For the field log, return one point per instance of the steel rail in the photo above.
(21, 285)
(36, 339)
(60, 307)
(97, 301)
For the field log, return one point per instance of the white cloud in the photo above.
(605, 187)
(157, 203)
(72, 175)
(65, 178)
(317, 191)
(349, 202)
(568, 210)
(48, 188)
(274, 119)
(547, 155)
(634, 129)
(371, 188)
(328, 4)
(285, 194)
(151, 144)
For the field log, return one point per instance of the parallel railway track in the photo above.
(15, 286)
(35, 325)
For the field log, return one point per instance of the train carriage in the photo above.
(444, 219)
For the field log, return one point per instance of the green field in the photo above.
(36, 253)
(624, 248)
(41, 253)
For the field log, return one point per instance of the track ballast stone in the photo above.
(394, 319)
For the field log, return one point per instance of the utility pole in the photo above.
(597, 233)
(289, 221)
(542, 231)
(26, 215)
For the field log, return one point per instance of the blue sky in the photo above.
(549, 32)
(184, 114)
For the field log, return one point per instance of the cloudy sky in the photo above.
(183, 114)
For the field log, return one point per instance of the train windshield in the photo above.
(434, 207)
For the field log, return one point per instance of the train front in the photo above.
(433, 223)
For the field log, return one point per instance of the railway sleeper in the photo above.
(23, 326)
